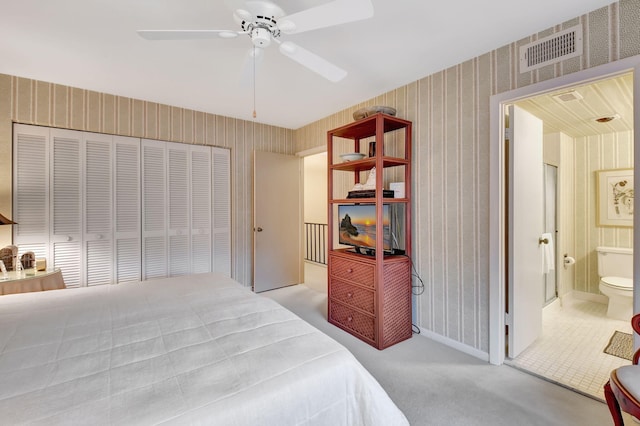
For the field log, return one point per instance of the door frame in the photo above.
(498, 221)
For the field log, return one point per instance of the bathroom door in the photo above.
(550, 215)
(526, 213)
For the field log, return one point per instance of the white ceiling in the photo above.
(92, 44)
(611, 97)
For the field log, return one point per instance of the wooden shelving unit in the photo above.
(370, 295)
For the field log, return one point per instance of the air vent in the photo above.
(549, 50)
(569, 96)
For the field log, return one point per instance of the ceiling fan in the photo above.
(265, 22)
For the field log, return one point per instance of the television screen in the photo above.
(357, 226)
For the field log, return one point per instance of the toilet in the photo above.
(615, 268)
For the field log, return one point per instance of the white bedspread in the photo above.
(193, 350)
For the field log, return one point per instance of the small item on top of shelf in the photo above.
(369, 111)
(352, 156)
(372, 149)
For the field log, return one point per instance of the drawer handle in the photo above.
(349, 270)
(349, 318)
(349, 295)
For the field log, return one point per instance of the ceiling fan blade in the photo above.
(252, 62)
(326, 15)
(312, 61)
(186, 34)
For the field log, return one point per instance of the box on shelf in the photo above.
(397, 188)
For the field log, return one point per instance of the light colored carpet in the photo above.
(436, 385)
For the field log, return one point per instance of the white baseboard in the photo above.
(484, 356)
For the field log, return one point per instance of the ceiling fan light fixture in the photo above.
(261, 37)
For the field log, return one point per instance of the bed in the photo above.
(200, 349)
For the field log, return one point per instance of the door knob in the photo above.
(258, 229)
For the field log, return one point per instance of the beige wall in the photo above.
(315, 188)
(600, 152)
(34, 102)
(578, 159)
(450, 112)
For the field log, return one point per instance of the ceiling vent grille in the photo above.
(549, 50)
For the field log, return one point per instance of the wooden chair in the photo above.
(622, 391)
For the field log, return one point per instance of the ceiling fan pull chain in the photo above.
(254, 81)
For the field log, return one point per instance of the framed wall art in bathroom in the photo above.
(614, 197)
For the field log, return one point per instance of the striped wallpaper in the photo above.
(450, 112)
(34, 102)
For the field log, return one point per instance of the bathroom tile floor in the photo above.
(570, 350)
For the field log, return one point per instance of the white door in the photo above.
(66, 205)
(154, 206)
(127, 250)
(277, 220)
(221, 195)
(98, 213)
(525, 273)
(178, 196)
(31, 189)
(200, 199)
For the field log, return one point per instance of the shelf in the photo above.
(379, 281)
(366, 127)
(367, 258)
(367, 200)
(367, 163)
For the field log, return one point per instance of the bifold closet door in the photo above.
(67, 152)
(98, 210)
(221, 194)
(31, 189)
(154, 209)
(200, 172)
(178, 195)
(127, 232)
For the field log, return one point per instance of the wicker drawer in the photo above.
(345, 269)
(357, 322)
(353, 295)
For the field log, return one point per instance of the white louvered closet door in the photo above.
(98, 223)
(31, 189)
(126, 205)
(178, 196)
(200, 157)
(66, 205)
(154, 206)
(221, 210)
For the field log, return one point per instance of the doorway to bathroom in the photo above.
(577, 283)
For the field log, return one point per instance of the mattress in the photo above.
(200, 349)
